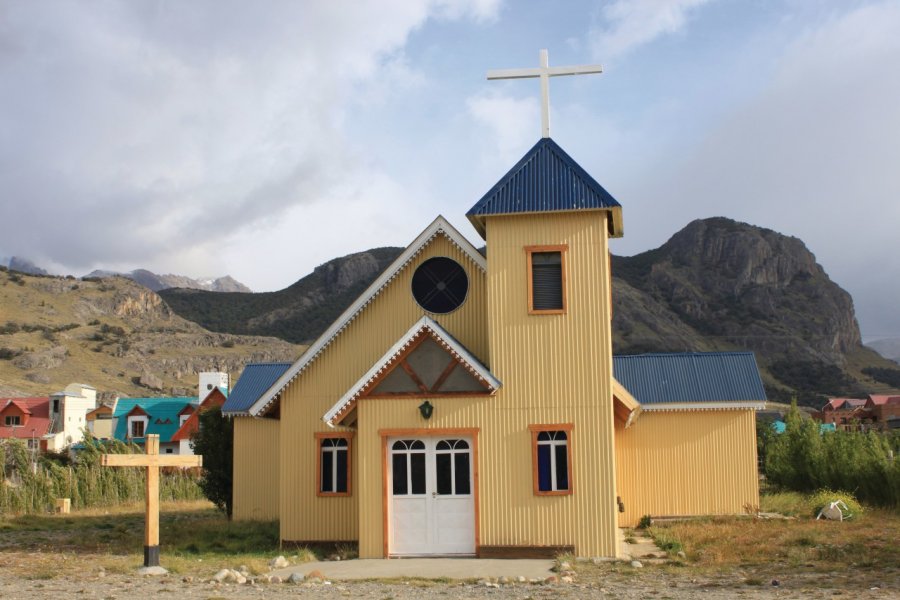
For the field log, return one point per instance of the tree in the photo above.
(214, 440)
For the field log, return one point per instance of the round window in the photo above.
(440, 285)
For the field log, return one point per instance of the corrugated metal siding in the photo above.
(554, 369)
(545, 179)
(304, 516)
(256, 468)
(690, 377)
(255, 379)
(687, 463)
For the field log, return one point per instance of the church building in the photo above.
(466, 403)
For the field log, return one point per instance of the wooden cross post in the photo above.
(544, 73)
(152, 460)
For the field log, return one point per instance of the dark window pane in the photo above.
(444, 475)
(544, 436)
(327, 471)
(398, 468)
(444, 444)
(340, 442)
(463, 485)
(341, 471)
(562, 468)
(543, 465)
(560, 435)
(546, 281)
(417, 470)
(416, 444)
(462, 445)
(440, 285)
(398, 445)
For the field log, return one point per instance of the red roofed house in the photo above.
(855, 414)
(190, 419)
(26, 419)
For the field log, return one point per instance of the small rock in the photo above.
(279, 562)
(503, 580)
(681, 554)
(776, 583)
(243, 570)
(552, 579)
(187, 579)
(566, 579)
(274, 579)
(221, 576)
(296, 578)
(316, 574)
(564, 566)
(637, 564)
(521, 579)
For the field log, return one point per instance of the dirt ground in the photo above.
(603, 581)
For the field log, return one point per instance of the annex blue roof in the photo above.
(163, 418)
(690, 377)
(546, 179)
(254, 381)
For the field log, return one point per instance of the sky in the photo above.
(261, 139)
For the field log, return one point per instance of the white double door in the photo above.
(431, 496)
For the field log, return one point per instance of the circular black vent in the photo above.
(440, 285)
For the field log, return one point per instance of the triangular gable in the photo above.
(625, 407)
(440, 226)
(192, 423)
(190, 408)
(402, 371)
(546, 179)
(13, 404)
(137, 410)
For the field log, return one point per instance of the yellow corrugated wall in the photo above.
(256, 468)
(554, 369)
(687, 463)
(305, 516)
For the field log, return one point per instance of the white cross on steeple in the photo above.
(544, 72)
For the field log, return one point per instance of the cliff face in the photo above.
(735, 284)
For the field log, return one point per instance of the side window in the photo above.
(546, 279)
(137, 428)
(551, 450)
(334, 464)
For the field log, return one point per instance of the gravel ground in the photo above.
(650, 582)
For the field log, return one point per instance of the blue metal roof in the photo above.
(545, 179)
(162, 412)
(253, 383)
(690, 377)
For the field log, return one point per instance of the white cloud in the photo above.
(132, 132)
(627, 24)
(513, 124)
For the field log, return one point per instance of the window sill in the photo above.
(333, 494)
(557, 493)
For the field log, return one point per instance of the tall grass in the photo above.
(804, 460)
(33, 486)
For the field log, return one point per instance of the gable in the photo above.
(192, 423)
(426, 361)
(380, 316)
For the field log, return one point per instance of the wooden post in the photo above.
(152, 460)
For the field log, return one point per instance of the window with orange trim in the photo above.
(551, 451)
(333, 473)
(546, 267)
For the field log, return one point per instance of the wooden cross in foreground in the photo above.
(153, 460)
(544, 72)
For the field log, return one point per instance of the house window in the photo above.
(334, 464)
(137, 428)
(546, 267)
(169, 451)
(13, 421)
(551, 451)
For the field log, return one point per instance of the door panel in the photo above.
(431, 504)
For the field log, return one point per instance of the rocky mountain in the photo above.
(715, 285)
(155, 282)
(113, 334)
(23, 265)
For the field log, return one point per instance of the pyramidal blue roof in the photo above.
(690, 377)
(546, 179)
(254, 381)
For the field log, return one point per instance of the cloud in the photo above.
(512, 123)
(132, 132)
(812, 155)
(627, 24)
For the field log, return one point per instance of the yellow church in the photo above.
(469, 404)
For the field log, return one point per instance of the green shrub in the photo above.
(645, 522)
(824, 497)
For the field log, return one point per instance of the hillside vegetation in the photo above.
(112, 334)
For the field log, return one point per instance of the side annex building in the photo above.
(471, 405)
